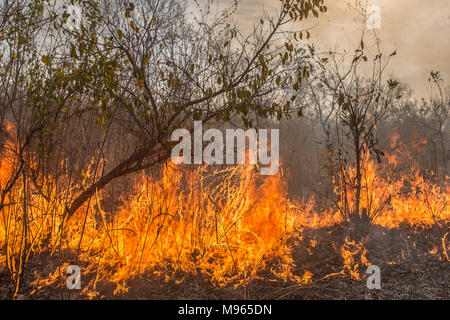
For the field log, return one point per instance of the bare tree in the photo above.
(348, 107)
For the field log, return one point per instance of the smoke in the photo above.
(416, 29)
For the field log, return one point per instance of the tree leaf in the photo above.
(45, 59)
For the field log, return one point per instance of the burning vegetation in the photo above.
(86, 178)
(229, 226)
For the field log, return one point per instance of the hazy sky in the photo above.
(418, 29)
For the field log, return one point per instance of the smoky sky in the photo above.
(418, 30)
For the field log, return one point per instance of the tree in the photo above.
(437, 111)
(349, 106)
(162, 69)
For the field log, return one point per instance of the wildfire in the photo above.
(229, 224)
(228, 229)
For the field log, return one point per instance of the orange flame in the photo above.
(229, 224)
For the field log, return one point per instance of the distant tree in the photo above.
(436, 112)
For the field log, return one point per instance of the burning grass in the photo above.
(230, 227)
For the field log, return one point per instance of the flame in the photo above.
(232, 232)
(350, 252)
(231, 225)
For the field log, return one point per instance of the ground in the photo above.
(413, 266)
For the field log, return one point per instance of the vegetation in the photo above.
(91, 92)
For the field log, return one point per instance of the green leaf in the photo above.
(45, 59)
(278, 80)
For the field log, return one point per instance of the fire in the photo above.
(352, 252)
(188, 220)
(6, 167)
(231, 225)
(409, 199)
(444, 246)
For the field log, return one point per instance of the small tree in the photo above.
(436, 111)
(349, 107)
